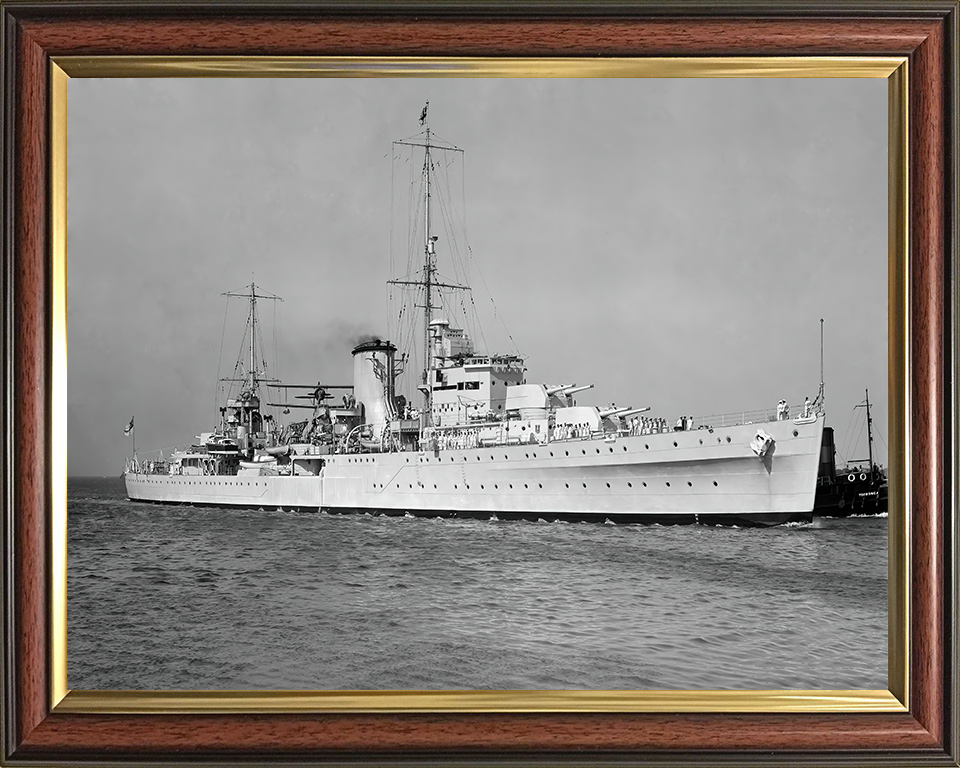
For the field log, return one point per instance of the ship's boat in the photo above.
(485, 441)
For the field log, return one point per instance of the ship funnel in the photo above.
(374, 375)
(575, 388)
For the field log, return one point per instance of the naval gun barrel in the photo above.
(606, 413)
(551, 391)
(573, 389)
(633, 412)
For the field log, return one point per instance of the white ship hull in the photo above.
(699, 475)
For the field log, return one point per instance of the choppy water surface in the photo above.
(182, 597)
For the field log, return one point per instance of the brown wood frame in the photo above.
(925, 32)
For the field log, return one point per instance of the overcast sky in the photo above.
(675, 242)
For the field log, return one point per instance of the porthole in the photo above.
(454, 486)
(551, 454)
(795, 433)
(689, 484)
(434, 486)
(646, 446)
(566, 453)
(608, 485)
(598, 450)
(526, 455)
(478, 458)
(525, 485)
(566, 485)
(668, 485)
(629, 485)
(674, 443)
(714, 483)
(539, 485)
(728, 438)
(504, 456)
(584, 485)
(511, 486)
(495, 486)
(584, 451)
(481, 486)
(701, 442)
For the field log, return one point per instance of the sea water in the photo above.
(180, 597)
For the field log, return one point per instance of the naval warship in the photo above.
(482, 441)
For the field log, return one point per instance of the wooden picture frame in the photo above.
(916, 722)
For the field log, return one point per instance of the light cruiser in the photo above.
(485, 442)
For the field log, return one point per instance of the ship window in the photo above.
(701, 442)
(714, 483)
(689, 484)
(647, 447)
(611, 450)
(511, 486)
(525, 485)
(728, 438)
(566, 453)
(540, 485)
(608, 485)
(795, 433)
(584, 485)
(644, 485)
(481, 486)
(495, 486)
(674, 443)
(668, 485)
(598, 450)
(629, 485)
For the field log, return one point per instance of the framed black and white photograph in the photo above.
(627, 292)
(423, 394)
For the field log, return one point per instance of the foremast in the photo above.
(428, 281)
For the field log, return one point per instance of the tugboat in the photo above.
(486, 442)
(856, 488)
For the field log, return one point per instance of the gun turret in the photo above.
(574, 389)
(551, 391)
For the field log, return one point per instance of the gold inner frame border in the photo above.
(895, 699)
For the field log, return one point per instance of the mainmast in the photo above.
(429, 280)
(869, 431)
(252, 297)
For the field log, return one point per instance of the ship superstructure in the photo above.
(485, 442)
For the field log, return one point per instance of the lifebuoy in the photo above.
(863, 477)
(851, 477)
